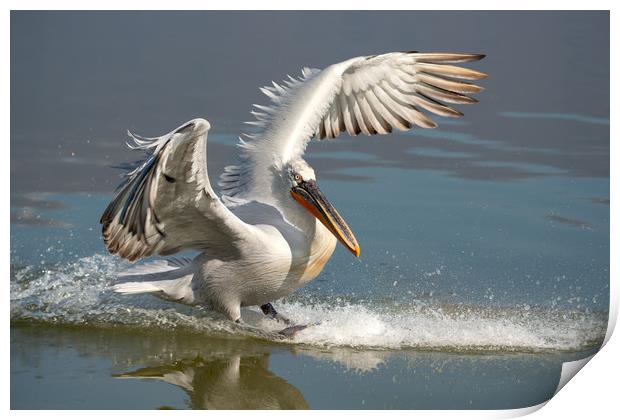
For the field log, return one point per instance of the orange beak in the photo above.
(307, 194)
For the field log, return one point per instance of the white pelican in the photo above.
(272, 231)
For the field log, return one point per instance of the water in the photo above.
(80, 294)
(485, 242)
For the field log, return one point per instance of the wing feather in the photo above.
(336, 118)
(167, 204)
(384, 107)
(346, 115)
(327, 122)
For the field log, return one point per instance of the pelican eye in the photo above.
(297, 177)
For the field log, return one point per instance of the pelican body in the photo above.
(272, 230)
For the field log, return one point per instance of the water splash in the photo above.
(458, 328)
(79, 293)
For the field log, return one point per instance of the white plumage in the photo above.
(273, 230)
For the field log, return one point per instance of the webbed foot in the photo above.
(290, 332)
(271, 312)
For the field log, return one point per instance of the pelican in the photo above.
(271, 230)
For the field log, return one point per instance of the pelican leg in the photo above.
(270, 311)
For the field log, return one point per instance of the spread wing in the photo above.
(390, 91)
(369, 95)
(166, 203)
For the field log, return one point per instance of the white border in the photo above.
(592, 395)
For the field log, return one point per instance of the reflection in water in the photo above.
(228, 382)
(215, 372)
(92, 368)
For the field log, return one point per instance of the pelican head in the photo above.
(305, 191)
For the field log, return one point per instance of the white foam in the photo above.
(81, 293)
(356, 325)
